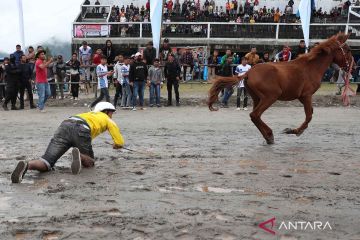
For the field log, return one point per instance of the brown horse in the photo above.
(287, 81)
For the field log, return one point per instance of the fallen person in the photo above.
(76, 132)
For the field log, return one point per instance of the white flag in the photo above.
(305, 14)
(21, 23)
(156, 21)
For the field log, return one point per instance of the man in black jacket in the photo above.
(137, 76)
(172, 74)
(13, 75)
(227, 71)
(25, 82)
(149, 53)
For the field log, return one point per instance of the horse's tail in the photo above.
(218, 85)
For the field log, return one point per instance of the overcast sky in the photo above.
(43, 19)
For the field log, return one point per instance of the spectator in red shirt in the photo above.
(42, 84)
(170, 5)
(97, 57)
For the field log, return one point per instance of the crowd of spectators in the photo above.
(33, 71)
(251, 11)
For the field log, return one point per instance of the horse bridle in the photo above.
(348, 65)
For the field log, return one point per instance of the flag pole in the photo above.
(161, 27)
(21, 23)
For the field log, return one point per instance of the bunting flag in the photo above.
(305, 8)
(21, 23)
(348, 91)
(156, 7)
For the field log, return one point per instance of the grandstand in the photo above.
(127, 24)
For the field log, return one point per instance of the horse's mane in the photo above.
(325, 47)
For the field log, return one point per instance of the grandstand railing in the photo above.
(212, 30)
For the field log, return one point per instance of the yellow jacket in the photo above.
(99, 122)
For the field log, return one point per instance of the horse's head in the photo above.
(342, 55)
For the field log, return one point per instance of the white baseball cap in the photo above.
(138, 54)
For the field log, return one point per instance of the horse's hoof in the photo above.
(288, 131)
(270, 140)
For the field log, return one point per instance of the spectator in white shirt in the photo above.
(241, 90)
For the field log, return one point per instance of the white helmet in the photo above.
(102, 106)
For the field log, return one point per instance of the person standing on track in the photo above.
(103, 84)
(172, 73)
(13, 75)
(76, 132)
(138, 75)
(74, 65)
(117, 79)
(42, 84)
(25, 82)
(241, 90)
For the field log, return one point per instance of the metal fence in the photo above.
(213, 30)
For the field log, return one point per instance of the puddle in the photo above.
(217, 190)
(302, 170)
(221, 218)
(4, 203)
(171, 189)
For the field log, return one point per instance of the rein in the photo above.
(348, 91)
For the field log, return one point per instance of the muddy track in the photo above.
(200, 175)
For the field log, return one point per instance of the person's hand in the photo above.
(131, 84)
(177, 78)
(51, 59)
(117, 146)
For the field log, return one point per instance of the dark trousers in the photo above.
(11, 94)
(185, 69)
(75, 86)
(104, 93)
(169, 85)
(118, 93)
(2, 92)
(52, 88)
(26, 86)
(241, 91)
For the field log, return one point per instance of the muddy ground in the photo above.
(198, 175)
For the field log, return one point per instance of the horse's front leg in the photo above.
(307, 102)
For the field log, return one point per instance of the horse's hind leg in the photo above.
(307, 102)
(255, 116)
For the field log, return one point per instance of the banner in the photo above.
(81, 31)
(305, 8)
(21, 23)
(156, 21)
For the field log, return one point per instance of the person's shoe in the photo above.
(19, 172)
(169, 104)
(5, 107)
(134, 108)
(14, 108)
(22, 107)
(245, 108)
(238, 109)
(43, 111)
(76, 161)
(158, 105)
(178, 104)
(32, 106)
(142, 108)
(152, 105)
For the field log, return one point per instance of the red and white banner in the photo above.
(81, 31)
